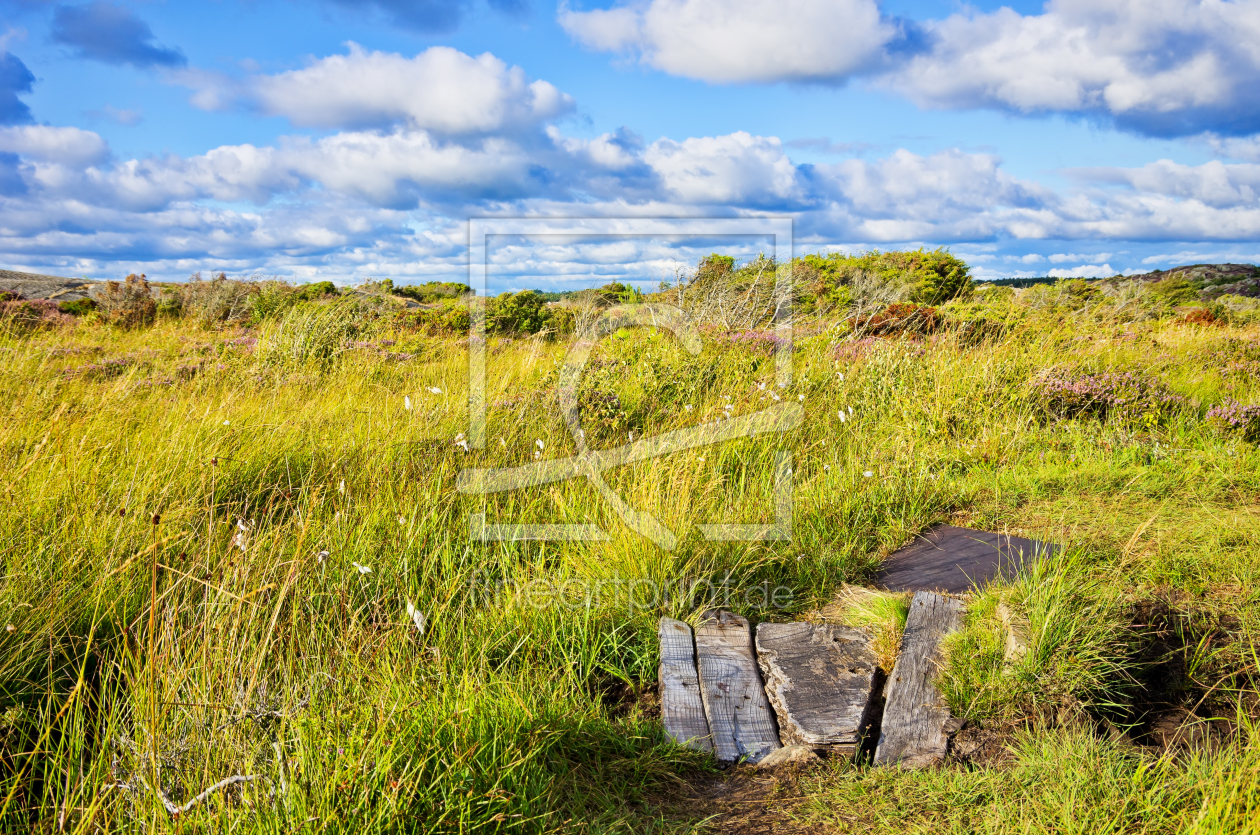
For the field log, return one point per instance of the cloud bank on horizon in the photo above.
(367, 160)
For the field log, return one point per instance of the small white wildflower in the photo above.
(842, 417)
(774, 397)
(462, 445)
(240, 540)
(434, 390)
(761, 386)
(406, 402)
(538, 443)
(402, 520)
(850, 411)
(226, 422)
(868, 474)
(10, 628)
(341, 488)
(321, 556)
(363, 569)
(841, 376)
(537, 455)
(800, 397)
(417, 617)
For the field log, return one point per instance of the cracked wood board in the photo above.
(820, 679)
(730, 687)
(681, 706)
(955, 560)
(914, 732)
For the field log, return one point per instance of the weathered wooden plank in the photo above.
(955, 560)
(820, 679)
(730, 686)
(681, 706)
(913, 733)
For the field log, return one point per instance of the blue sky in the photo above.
(344, 139)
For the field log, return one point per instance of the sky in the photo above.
(352, 139)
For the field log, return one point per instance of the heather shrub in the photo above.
(1236, 419)
(1124, 396)
(20, 315)
(129, 304)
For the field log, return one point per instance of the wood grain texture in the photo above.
(820, 679)
(955, 560)
(682, 709)
(913, 733)
(730, 687)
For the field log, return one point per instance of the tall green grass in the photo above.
(208, 554)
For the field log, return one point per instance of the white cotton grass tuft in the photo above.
(407, 402)
(843, 418)
(321, 556)
(434, 390)
(341, 488)
(226, 422)
(363, 569)
(417, 617)
(868, 474)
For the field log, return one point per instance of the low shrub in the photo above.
(901, 318)
(446, 319)
(21, 315)
(1112, 395)
(1237, 420)
(526, 312)
(78, 307)
(218, 301)
(128, 304)
(931, 277)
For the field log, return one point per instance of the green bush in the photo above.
(931, 277)
(526, 312)
(432, 291)
(78, 307)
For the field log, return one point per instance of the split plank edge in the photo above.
(734, 699)
(682, 709)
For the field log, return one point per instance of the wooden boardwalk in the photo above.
(821, 684)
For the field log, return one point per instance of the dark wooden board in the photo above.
(820, 679)
(730, 687)
(913, 732)
(682, 709)
(955, 560)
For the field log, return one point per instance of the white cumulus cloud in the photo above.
(1164, 67)
(441, 90)
(728, 41)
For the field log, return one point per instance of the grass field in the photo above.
(239, 552)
